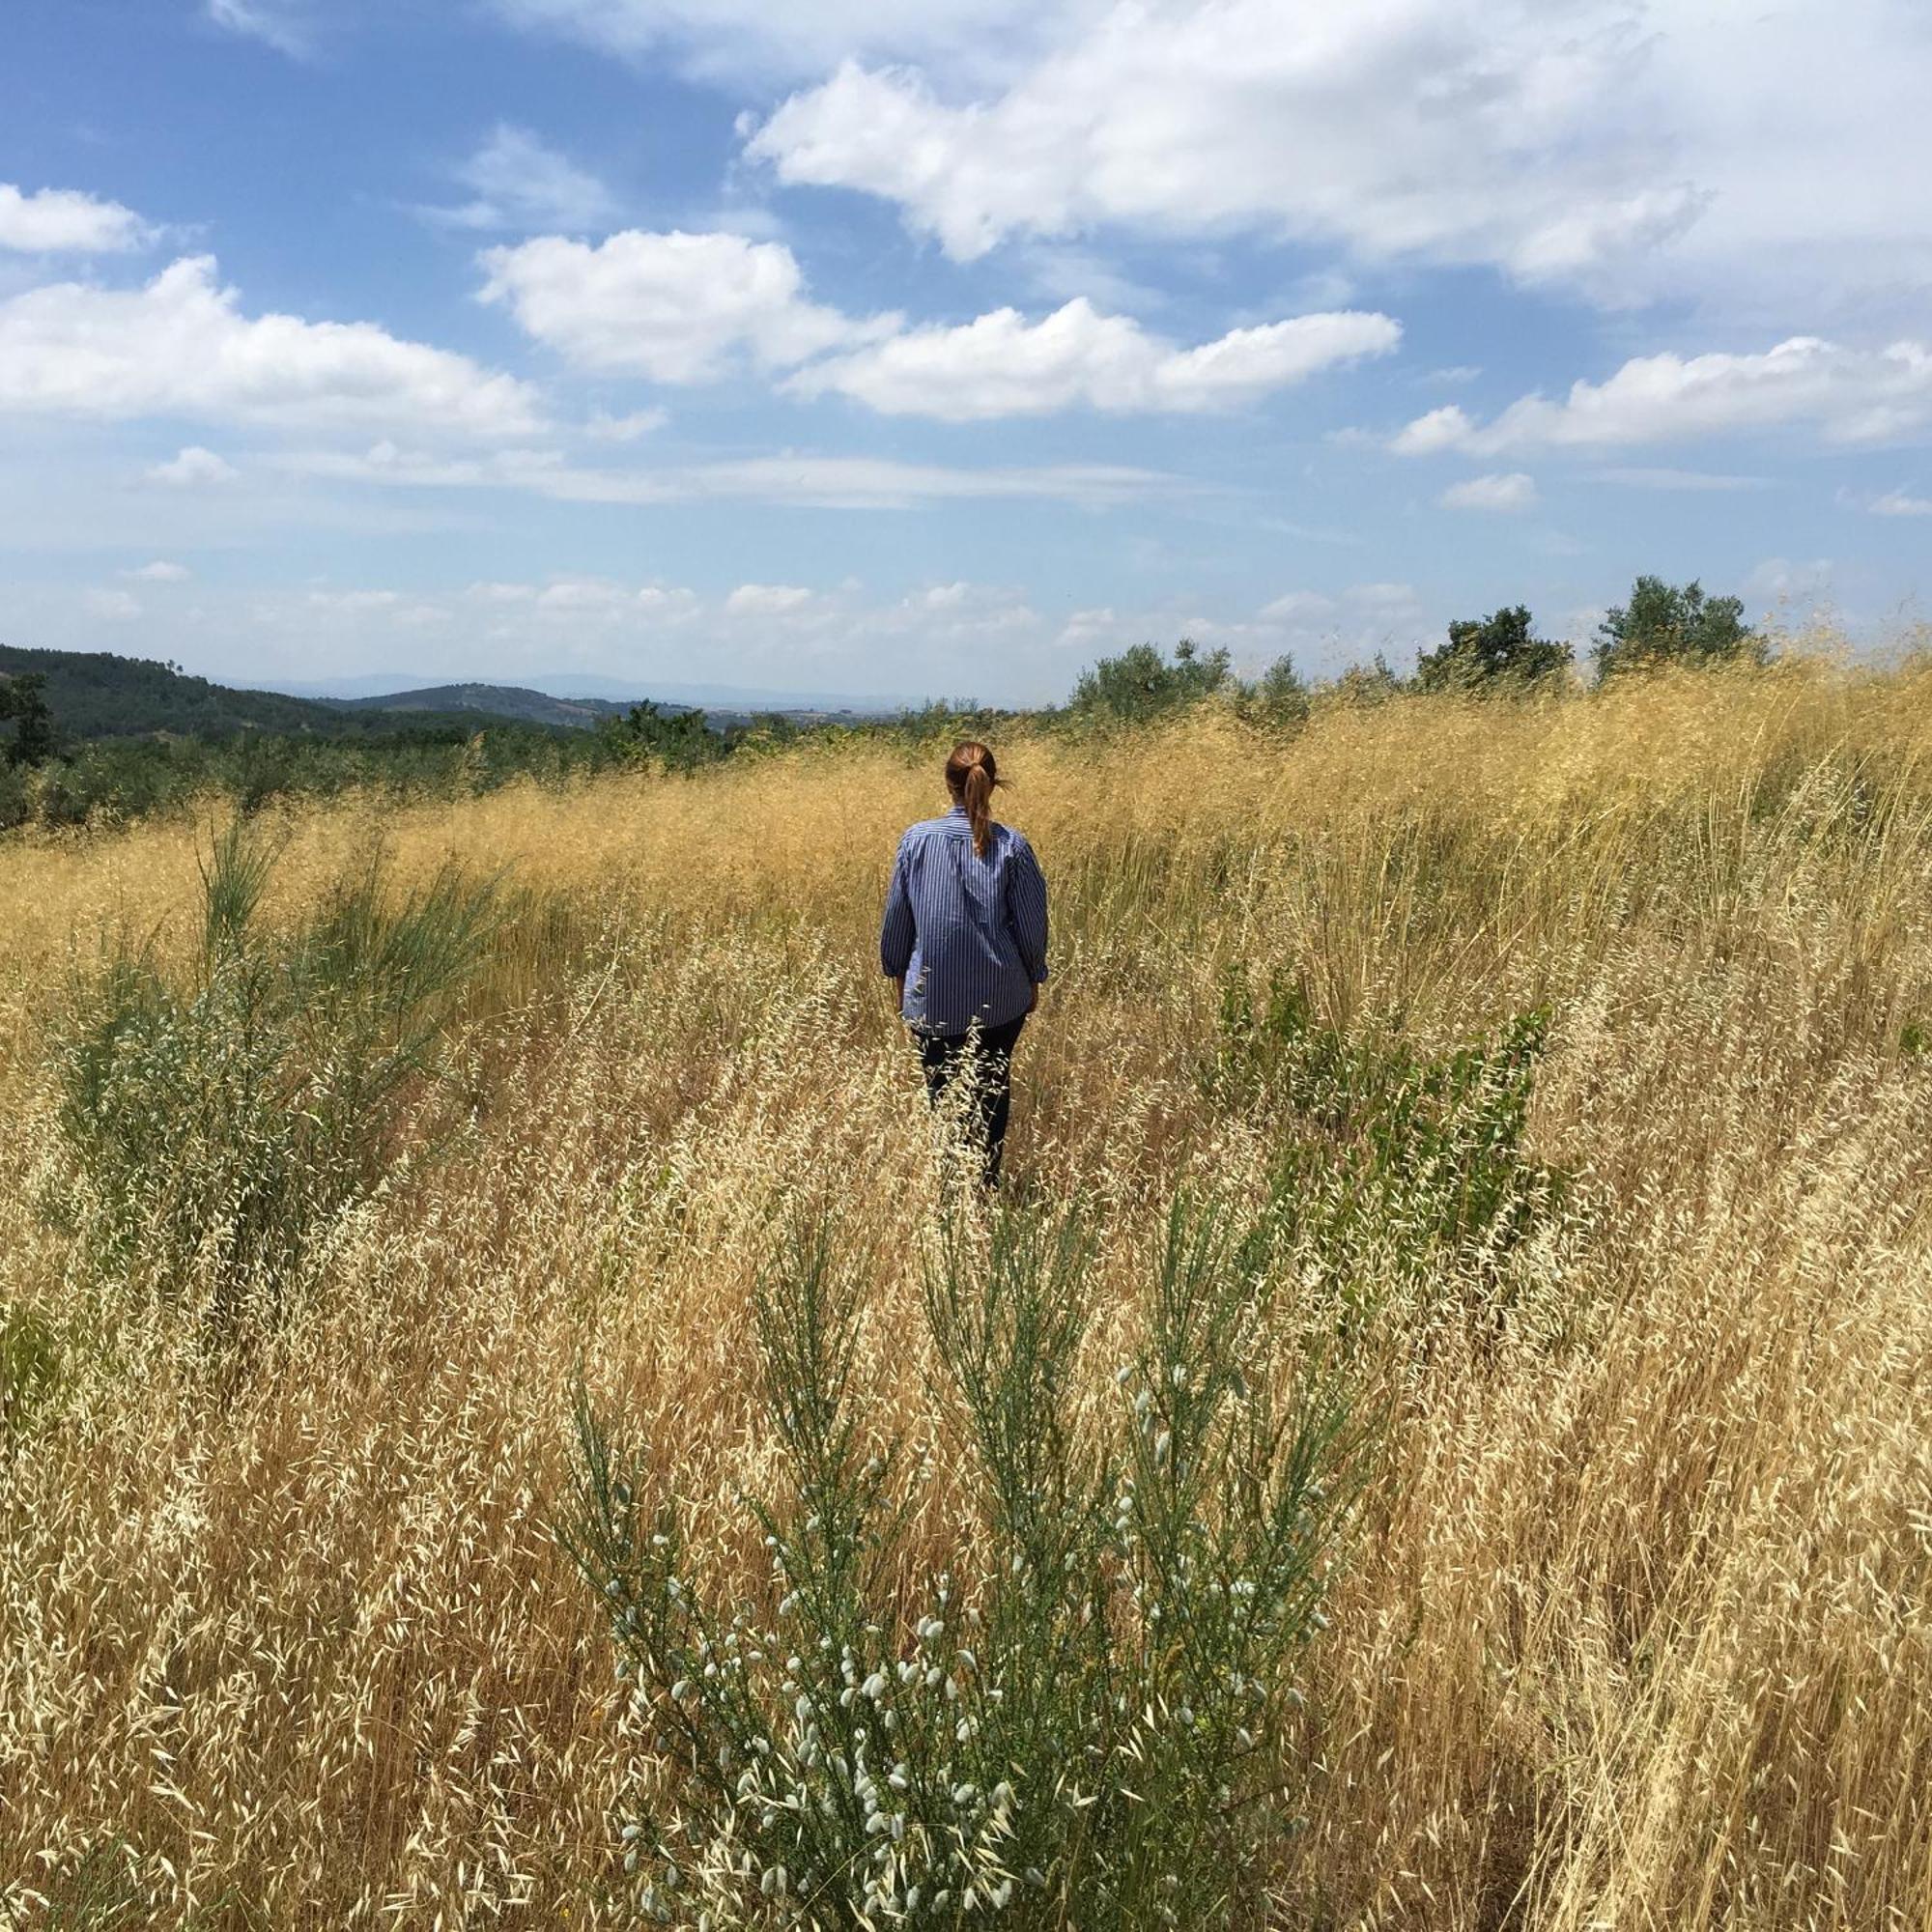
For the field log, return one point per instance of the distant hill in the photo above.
(97, 695)
(497, 700)
(718, 700)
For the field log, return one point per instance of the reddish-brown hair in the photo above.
(970, 777)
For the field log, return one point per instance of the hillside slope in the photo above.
(99, 694)
(497, 700)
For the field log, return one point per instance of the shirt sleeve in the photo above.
(1026, 909)
(897, 930)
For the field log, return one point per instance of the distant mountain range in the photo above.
(97, 695)
(573, 684)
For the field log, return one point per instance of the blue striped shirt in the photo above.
(967, 934)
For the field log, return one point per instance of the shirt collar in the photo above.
(957, 811)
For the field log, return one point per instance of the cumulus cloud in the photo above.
(675, 307)
(1506, 492)
(1900, 503)
(118, 606)
(65, 221)
(1398, 130)
(517, 182)
(1613, 145)
(765, 600)
(1003, 365)
(180, 346)
(1847, 395)
(159, 571)
(195, 468)
(603, 428)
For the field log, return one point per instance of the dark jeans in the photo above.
(946, 1056)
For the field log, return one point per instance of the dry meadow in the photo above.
(1630, 1627)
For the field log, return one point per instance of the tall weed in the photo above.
(1088, 1727)
(219, 1116)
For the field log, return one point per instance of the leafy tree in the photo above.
(24, 699)
(1141, 683)
(1372, 683)
(1496, 652)
(1666, 623)
(1279, 696)
(681, 739)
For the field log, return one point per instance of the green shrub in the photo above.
(1141, 683)
(1088, 1727)
(1389, 1164)
(1497, 654)
(1676, 624)
(219, 1117)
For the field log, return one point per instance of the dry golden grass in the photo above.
(1634, 1630)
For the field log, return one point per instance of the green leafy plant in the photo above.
(1085, 1724)
(1497, 654)
(1389, 1163)
(220, 1113)
(1675, 624)
(1142, 683)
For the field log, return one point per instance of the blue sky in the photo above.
(935, 349)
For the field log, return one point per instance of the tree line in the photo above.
(46, 779)
(1662, 624)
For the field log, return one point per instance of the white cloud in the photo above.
(118, 606)
(1616, 145)
(1511, 492)
(765, 600)
(602, 428)
(282, 24)
(180, 347)
(1899, 503)
(1782, 580)
(839, 482)
(1847, 395)
(1295, 607)
(355, 603)
(666, 604)
(1003, 365)
(518, 183)
(193, 469)
(65, 221)
(159, 571)
(1443, 428)
(675, 307)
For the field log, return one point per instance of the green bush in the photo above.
(218, 1117)
(1675, 624)
(1497, 654)
(1389, 1165)
(1142, 684)
(1090, 1727)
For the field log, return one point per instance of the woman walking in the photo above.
(964, 940)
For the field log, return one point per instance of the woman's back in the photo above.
(967, 930)
(964, 938)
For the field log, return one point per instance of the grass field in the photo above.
(1628, 1623)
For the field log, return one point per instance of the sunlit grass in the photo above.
(1632, 1624)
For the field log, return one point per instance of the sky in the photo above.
(934, 349)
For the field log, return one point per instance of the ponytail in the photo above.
(970, 777)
